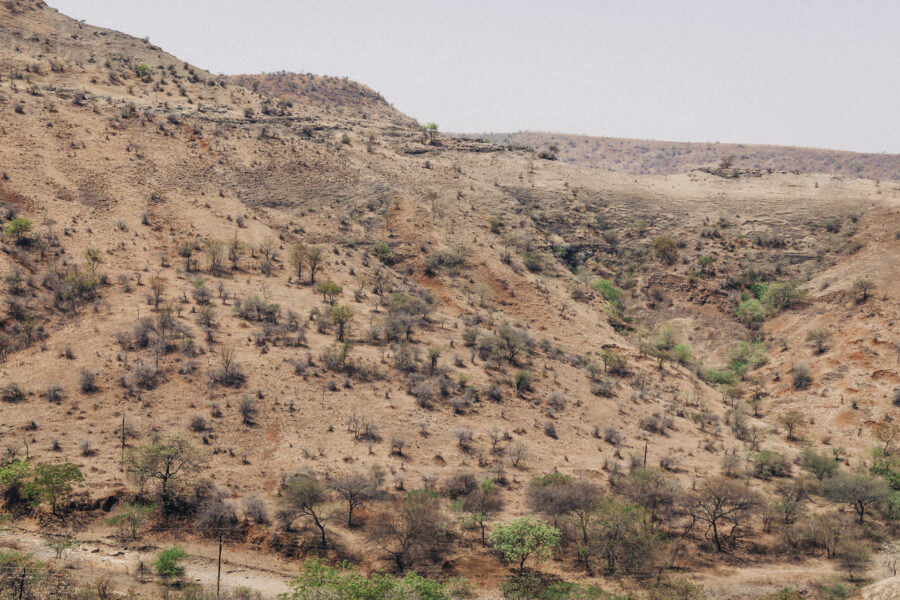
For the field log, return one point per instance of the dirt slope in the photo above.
(110, 143)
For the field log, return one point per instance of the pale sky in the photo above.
(821, 73)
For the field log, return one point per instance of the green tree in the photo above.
(430, 128)
(13, 477)
(53, 484)
(623, 536)
(168, 564)
(341, 315)
(94, 259)
(519, 539)
(329, 290)
(18, 227)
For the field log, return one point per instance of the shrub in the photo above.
(55, 393)
(744, 356)
(247, 408)
(255, 509)
(801, 377)
(820, 465)
(783, 296)
(382, 250)
(520, 539)
(12, 392)
(550, 429)
(751, 313)
(460, 484)
(168, 564)
(769, 463)
(863, 288)
(18, 228)
(818, 339)
(523, 381)
(665, 249)
(88, 381)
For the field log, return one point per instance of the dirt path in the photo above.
(94, 558)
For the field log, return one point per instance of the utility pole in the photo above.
(123, 436)
(219, 568)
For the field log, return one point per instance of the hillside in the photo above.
(340, 94)
(646, 157)
(487, 316)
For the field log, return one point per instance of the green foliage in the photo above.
(130, 518)
(168, 564)
(519, 539)
(451, 260)
(610, 292)
(886, 465)
(683, 354)
(613, 362)
(382, 250)
(18, 227)
(320, 580)
(744, 356)
(53, 484)
(523, 381)
(341, 315)
(16, 564)
(665, 249)
(622, 535)
(759, 290)
(751, 312)
(329, 290)
(820, 465)
(13, 475)
(535, 586)
(783, 296)
(836, 591)
(720, 376)
(769, 463)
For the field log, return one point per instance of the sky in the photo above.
(817, 73)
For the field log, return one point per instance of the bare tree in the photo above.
(481, 504)
(315, 256)
(357, 490)
(412, 530)
(723, 505)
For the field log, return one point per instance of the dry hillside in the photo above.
(647, 157)
(486, 315)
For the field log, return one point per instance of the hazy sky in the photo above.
(822, 73)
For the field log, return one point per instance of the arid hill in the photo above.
(301, 297)
(340, 94)
(647, 157)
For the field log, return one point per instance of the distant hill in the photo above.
(660, 157)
